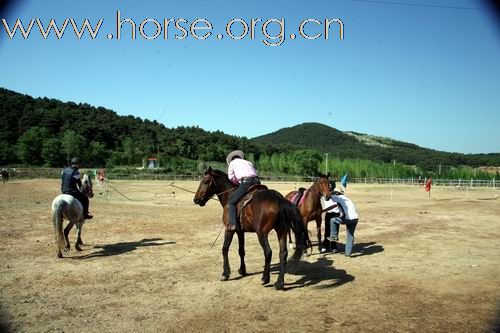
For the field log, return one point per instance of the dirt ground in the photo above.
(419, 265)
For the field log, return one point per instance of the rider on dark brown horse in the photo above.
(242, 173)
(71, 183)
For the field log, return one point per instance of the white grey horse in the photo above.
(67, 207)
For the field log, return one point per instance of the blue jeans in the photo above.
(237, 195)
(350, 226)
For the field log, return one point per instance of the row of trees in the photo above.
(309, 162)
(29, 125)
(38, 147)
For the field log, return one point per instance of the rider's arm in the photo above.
(231, 174)
(78, 180)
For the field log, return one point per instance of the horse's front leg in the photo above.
(66, 235)
(268, 253)
(228, 238)
(241, 251)
(79, 226)
(280, 283)
(318, 232)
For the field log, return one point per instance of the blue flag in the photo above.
(343, 181)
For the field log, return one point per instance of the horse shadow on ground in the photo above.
(124, 247)
(314, 273)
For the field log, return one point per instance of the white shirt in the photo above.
(346, 205)
(330, 206)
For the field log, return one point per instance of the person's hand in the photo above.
(329, 208)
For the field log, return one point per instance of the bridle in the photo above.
(318, 194)
(217, 188)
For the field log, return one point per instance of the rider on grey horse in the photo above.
(71, 184)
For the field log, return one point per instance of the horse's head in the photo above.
(87, 186)
(323, 187)
(206, 189)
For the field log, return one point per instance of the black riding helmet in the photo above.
(75, 160)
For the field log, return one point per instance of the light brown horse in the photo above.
(267, 210)
(310, 207)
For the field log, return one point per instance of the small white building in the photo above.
(153, 163)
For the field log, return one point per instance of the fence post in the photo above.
(471, 182)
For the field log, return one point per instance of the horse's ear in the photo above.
(209, 169)
(328, 175)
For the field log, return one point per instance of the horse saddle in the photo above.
(245, 200)
(297, 198)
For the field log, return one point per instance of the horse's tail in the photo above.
(290, 215)
(58, 219)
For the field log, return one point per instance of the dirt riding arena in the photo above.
(147, 265)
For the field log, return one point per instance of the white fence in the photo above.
(298, 179)
(25, 173)
(423, 181)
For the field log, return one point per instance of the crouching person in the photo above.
(348, 216)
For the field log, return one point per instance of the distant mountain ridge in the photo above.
(353, 145)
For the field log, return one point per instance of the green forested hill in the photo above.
(351, 145)
(43, 131)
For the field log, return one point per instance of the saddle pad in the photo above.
(248, 197)
(298, 198)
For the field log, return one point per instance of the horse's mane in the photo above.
(87, 177)
(219, 173)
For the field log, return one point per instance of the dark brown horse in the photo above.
(267, 210)
(310, 207)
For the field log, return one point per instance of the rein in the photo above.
(193, 192)
(212, 179)
(314, 192)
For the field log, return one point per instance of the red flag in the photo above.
(428, 185)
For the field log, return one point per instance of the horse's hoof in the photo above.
(59, 254)
(265, 280)
(78, 248)
(243, 272)
(224, 277)
(279, 285)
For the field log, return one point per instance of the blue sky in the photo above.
(417, 73)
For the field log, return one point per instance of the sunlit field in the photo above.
(151, 261)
